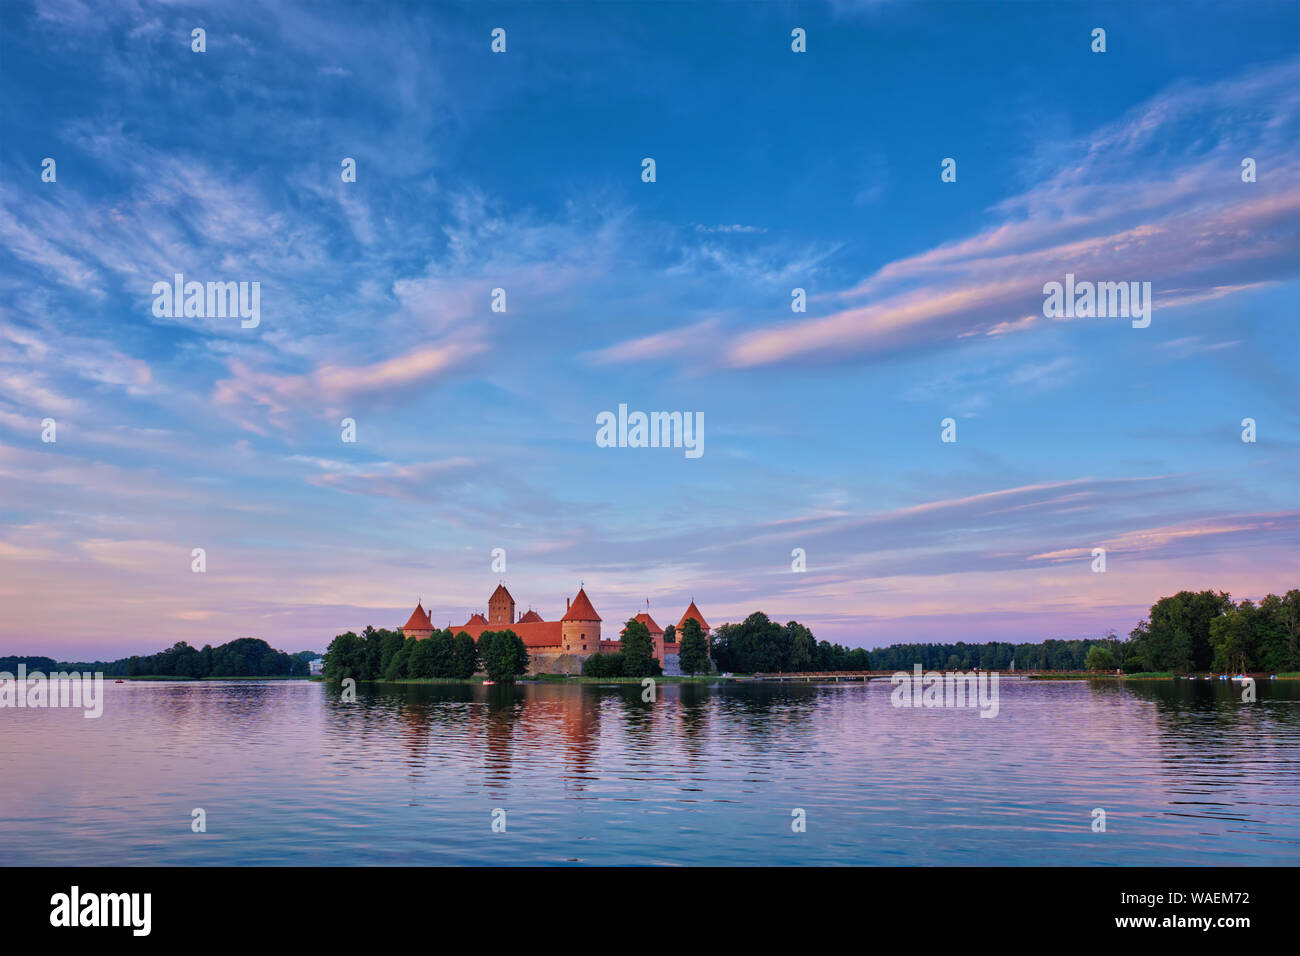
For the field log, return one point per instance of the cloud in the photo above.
(699, 340)
(1130, 209)
(324, 390)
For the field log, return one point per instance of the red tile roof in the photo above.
(530, 618)
(476, 619)
(533, 634)
(419, 620)
(694, 612)
(649, 622)
(501, 589)
(581, 609)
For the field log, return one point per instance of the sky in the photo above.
(774, 170)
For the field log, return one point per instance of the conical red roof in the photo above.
(649, 623)
(581, 609)
(694, 612)
(419, 620)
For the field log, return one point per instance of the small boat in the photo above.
(1241, 677)
(119, 681)
(487, 682)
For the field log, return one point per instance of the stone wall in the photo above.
(556, 663)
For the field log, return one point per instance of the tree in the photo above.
(390, 642)
(345, 657)
(638, 650)
(803, 647)
(693, 651)
(603, 665)
(1099, 658)
(397, 664)
(1177, 634)
(442, 650)
(1233, 637)
(670, 634)
(464, 656)
(503, 654)
(1275, 635)
(373, 642)
(420, 659)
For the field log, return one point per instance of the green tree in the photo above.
(345, 657)
(638, 650)
(503, 654)
(397, 664)
(464, 656)
(803, 647)
(1275, 635)
(390, 642)
(1234, 638)
(1099, 658)
(1178, 630)
(603, 665)
(442, 650)
(693, 652)
(420, 659)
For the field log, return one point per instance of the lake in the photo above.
(287, 773)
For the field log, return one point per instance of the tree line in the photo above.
(382, 654)
(760, 645)
(244, 657)
(1205, 630)
(1188, 631)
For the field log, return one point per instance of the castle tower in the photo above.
(694, 612)
(580, 627)
(418, 625)
(501, 608)
(656, 634)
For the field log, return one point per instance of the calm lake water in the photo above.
(410, 774)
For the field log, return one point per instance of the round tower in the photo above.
(580, 627)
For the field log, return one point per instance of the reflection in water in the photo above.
(1212, 744)
(409, 773)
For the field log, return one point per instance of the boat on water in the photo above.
(119, 681)
(486, 682)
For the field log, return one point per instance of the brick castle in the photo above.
(557, 646)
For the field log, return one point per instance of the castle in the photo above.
(558, 646)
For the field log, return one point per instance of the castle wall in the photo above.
(556, 663)
(580, 637)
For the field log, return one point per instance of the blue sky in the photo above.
(522, 170)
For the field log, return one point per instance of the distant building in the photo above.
(576, 634)
(418, 624)
(316, 666)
